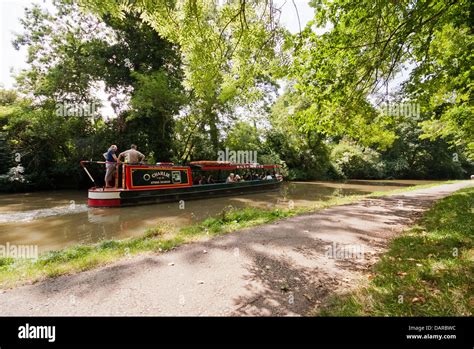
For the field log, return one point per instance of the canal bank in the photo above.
(282, 268)
(163, 237)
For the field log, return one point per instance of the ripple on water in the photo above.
(27, 216)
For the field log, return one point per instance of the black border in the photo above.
(309, 332)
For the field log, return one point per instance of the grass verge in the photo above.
(427, 271)
(78, 258)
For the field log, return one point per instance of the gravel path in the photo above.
(284, 268)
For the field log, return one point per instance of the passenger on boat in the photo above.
(237, 178)
(110, 163)
(210, 180)
(199, 180)
(230, 179)
(132, 156)
(268, 176)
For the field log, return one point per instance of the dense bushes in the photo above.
(427, 161)
(353, 161)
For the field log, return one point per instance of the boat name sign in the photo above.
(149, 177)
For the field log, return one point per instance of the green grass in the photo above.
(427, 271)
(82, 257)
(159, 239)
(14, 272)
(232, 219)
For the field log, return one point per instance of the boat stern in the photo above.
(98, 197)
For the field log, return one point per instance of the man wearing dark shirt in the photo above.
(110, 164)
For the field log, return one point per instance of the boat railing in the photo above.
(120, 173)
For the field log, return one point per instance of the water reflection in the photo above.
(53, 220)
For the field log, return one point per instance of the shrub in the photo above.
(353, 161)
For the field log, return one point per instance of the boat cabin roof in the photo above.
(224, 165)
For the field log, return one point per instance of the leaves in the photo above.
(364, 45)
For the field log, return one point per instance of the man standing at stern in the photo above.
(132, 156)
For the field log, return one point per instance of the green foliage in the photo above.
(8, 99)
(231, 219)
(443, 83)
(243, 136)
(47, 145)
(353, 161)
(69, 55)
(155, 100)
(228, 52)
(180, 74)
(365, 44)
(413, 157)
(304, 152)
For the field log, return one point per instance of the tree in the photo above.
(442, 85)
(415, 158)
(365, 45)
(243, 136)
(303, 151)
(228, 50)
(351, 160)
(8, 98)
(47, 145)
(72, 53)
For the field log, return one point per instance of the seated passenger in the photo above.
(268, 176)
(237, 178)
(210, 180)
(230, 179)
(198, 180)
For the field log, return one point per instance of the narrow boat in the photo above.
(137, 184)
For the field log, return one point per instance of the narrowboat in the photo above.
(137, 184)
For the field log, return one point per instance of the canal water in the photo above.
(54, 220)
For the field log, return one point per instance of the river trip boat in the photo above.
(166, 182)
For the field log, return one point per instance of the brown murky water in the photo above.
(53, 220)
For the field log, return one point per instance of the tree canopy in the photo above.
(187, 78)
(366, 44)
